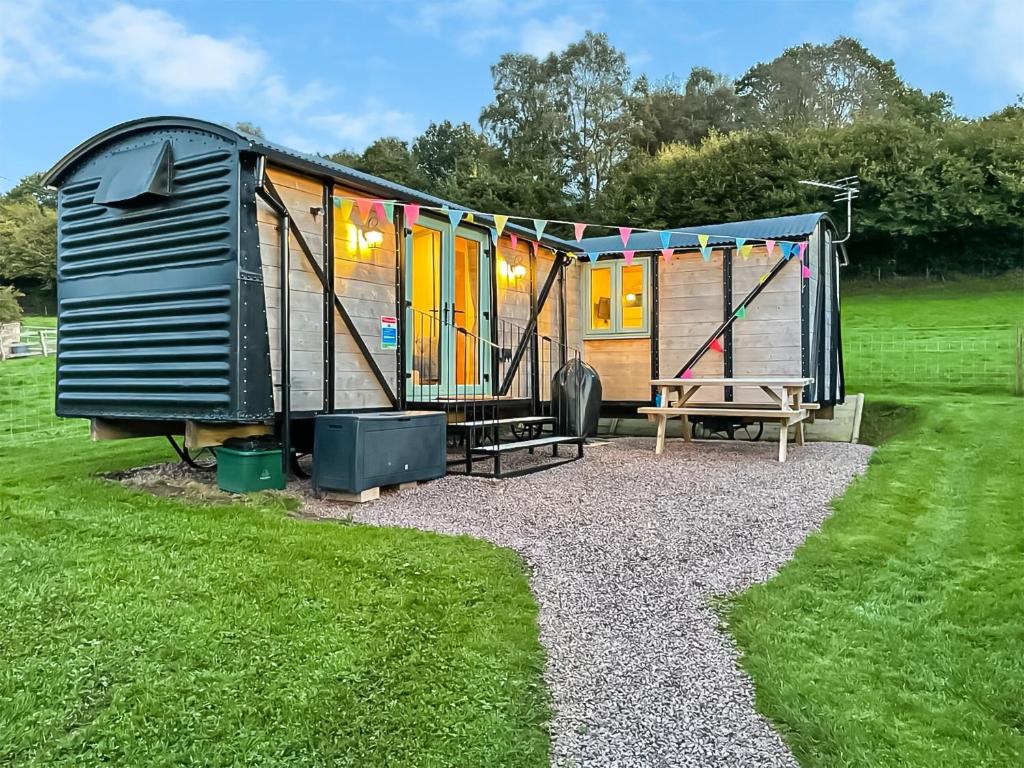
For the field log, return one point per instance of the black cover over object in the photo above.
(576, 399)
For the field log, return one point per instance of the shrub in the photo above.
(10, 310)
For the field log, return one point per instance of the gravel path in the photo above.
(626, 550)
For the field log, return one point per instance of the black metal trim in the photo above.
(819, 375)
(328, 295)
(747, 300)
(805, 325)
(401, 245)
(270, 192)
(727, 363)
(563, 328)
(531, 326)
(534, 345)
(655, 320)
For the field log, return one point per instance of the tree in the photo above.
(28, 241)
(668, 112)
(593, 85)
(388, 158)
(823, 85)
(447, 154)
(10, 310)
(563, 120)
(244, 126)
(31, 188)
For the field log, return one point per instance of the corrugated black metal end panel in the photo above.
(150, 298)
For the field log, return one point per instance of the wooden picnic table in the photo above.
(785, 404)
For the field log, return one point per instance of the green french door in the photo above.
(448, 311)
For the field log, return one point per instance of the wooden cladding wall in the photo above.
(691, 308)
(307, 319)
(365, 279)
(624, 366)
(767, 342)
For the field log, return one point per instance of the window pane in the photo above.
(465, 306)
(633, 297)
(426, 302)
(600, 299)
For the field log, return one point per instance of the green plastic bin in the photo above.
(247, 471)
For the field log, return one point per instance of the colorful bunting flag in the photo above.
(703, 240)
(740, 241)
(336, 200)
(389, 212)
(687, 374)
(579, 228)
(745, 251)
(716, 345)
(378, 210)
(470, 218)
(801, 246)
(513, 239)
(624, 234)
(705, 251)
(805, 271)
(666, 253)
(364, 205)
(786, 249)
(666, 238)
(628, 256)
(769, 246)
(494, 236)
(741, 312)
(346, 209)
(538, 227)
(500, 222)
(412, 214)
(454, 216)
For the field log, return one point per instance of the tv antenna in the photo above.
(846, 188)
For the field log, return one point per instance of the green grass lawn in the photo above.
(933, 337)
(895, 637)
(146, 631)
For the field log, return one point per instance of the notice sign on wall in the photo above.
(388, 332)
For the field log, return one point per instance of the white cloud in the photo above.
(158, 52)
(355, 130)
(28, 54)
(543, 37)
(537, 27)
(985, 34)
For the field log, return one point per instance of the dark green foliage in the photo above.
(946, 196)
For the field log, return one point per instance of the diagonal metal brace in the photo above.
(728, 322)
(270, 195)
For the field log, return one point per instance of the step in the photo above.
(521, 444)
(501, 422)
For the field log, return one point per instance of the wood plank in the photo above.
(207, 434)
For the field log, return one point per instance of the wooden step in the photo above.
(522, 444)
(500, 422)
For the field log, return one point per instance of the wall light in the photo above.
(510, 272)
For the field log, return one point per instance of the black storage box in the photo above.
(356, 451)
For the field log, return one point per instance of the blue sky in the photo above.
(324, 75)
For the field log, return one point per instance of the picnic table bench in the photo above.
(784, 405)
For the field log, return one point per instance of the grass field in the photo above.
(895, 637)
(934, 337)
(145, 631)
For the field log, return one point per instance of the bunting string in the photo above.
(385, 210)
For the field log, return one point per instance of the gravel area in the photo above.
(627, 551)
